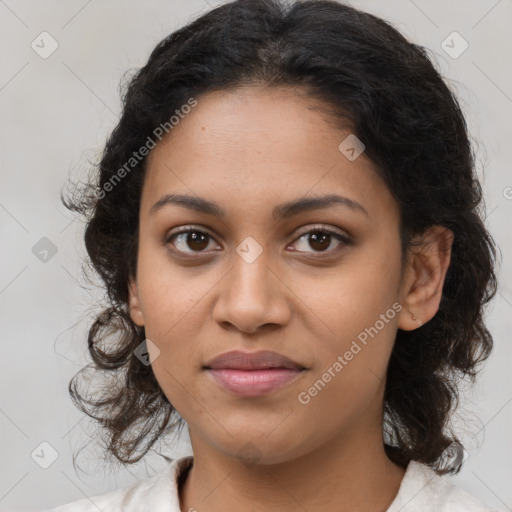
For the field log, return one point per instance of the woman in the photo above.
(287, 222)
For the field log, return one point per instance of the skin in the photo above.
(249, 150)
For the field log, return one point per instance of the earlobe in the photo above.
(424, 278)
(135, 309)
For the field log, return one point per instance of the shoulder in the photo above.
(158, 493)
(422, 489)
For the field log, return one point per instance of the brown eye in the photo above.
(196, 240)
(321, 240)
(190, 241)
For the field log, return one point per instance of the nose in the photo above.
(252, 296)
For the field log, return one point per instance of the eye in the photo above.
(321, 239)
(189, 240)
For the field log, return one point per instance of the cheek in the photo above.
(173, 323)
(356, 314)
(352, 297)
(171, 316)
(165, 292)
(349, 376)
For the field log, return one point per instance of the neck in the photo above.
(350, 472)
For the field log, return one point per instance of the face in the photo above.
(321, 286)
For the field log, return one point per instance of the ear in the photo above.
(135, 309)
(424, 277)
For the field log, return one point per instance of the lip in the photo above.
(261, 360)
(253, 373)
(253, 382)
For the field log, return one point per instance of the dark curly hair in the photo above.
(365, 73)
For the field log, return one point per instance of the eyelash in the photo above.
(343, 239)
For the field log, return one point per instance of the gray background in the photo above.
(57, 112)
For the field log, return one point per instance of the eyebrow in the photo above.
(282, 211)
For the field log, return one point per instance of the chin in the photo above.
(261, 449)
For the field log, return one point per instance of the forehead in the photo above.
(259, 146)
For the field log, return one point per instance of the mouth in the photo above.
(253, 373)
(253, 382)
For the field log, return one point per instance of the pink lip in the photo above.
(260, 360)
(253, 382)
(252, 373)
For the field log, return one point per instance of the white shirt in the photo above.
(421, 490)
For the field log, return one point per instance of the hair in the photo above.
(365, 73)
